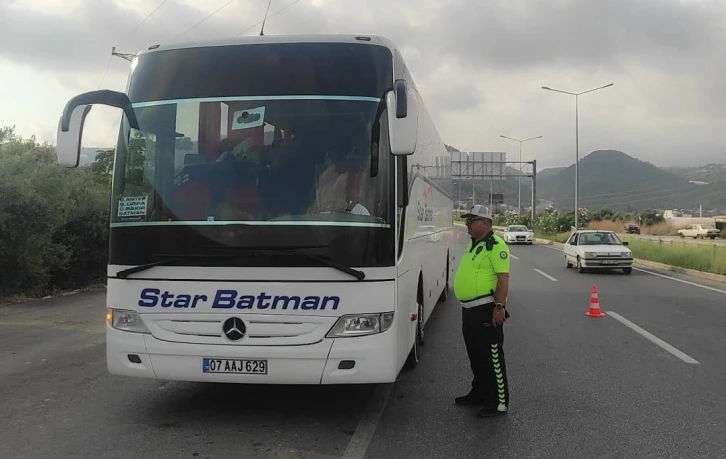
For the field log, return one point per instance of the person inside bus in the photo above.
(338, 186)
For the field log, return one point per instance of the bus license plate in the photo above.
(234, 366)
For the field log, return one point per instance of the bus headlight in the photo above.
(361, 325)
(128, 321)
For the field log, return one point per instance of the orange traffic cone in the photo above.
(594, 304)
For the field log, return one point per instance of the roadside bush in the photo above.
(549, 222)
(53, 221)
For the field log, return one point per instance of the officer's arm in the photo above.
(500, 294)
(500, 263)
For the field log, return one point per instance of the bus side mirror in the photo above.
(68, 142)
(70, 125)
(403, 126)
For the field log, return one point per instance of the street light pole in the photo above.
(519, 211)
(473, 202)
(519, 183)
(577, 141)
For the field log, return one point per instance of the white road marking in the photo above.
(514, 256)
(680, 280)
(546, 275)
(358, 445)
(685, 357)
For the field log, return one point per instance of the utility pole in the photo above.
(534, 190)
(126, 56)
(473, 200)
(491, 191)
(458, 203)
(519, 178)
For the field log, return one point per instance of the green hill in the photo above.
(610, 178)
(615, 180)
(549, 172)
(710, 173)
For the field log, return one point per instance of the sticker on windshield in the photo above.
(132, 206)
(248, 119)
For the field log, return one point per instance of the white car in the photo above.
(699, 231)
(518, 234)
(596, 249)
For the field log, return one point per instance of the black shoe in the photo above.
(470, 399)
(490, 412)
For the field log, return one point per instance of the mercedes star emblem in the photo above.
(234, 329)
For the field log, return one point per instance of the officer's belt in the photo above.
(486, 299)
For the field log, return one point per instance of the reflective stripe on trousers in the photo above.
(485, 347)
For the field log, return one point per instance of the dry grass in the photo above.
(607, 225)
(661, 229)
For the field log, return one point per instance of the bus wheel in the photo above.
(445, 293)
(414, 357)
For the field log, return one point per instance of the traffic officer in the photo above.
(481, 284)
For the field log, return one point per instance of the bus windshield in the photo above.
(269, 161)
(247, 145)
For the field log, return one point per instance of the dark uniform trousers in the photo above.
(485, 346)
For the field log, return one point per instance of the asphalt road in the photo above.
(580, 387)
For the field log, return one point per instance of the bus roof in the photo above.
(256, 39)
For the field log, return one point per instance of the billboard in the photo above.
(496, 198)
(478, 164)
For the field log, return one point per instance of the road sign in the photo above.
(497, 198)
(478, 164)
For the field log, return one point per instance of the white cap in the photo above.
(478, 211)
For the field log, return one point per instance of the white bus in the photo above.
(266, 203)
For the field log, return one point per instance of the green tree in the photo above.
(40, 249)
(102, 167)
(651, 217)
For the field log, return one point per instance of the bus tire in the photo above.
(414, 357)
(445, 293)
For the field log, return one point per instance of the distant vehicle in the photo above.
(518, 234)
(699, 232)
(632, 228)
(597, 249)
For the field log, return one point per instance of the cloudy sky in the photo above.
(480, 65)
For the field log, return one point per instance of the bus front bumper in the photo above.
(142, 355)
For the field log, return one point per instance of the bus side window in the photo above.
(401, 198)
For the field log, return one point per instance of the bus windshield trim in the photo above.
(156, 103)
(250, 223)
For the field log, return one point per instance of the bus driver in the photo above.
(338, 187)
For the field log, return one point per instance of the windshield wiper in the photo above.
(167, 260)
(295, 250)
(292, 250)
